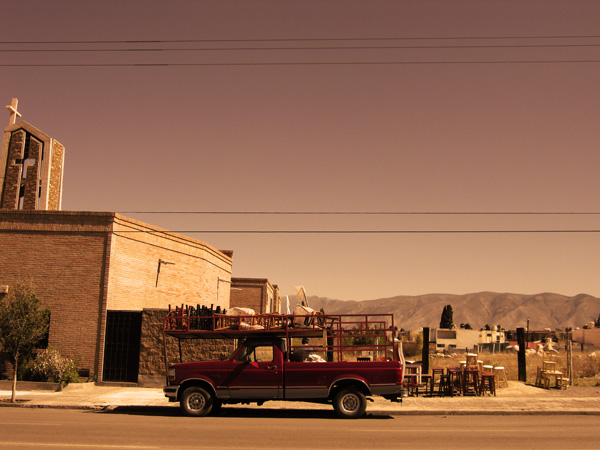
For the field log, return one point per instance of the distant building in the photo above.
(255, 293)
(461, 339)
(589, 336)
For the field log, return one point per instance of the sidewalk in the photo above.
(518, 398)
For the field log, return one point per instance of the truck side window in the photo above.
(257, 353)
(264, 353)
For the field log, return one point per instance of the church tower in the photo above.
(31, 166)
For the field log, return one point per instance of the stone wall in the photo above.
(56, 176)
(158, 351)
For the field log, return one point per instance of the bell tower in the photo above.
(31, 166)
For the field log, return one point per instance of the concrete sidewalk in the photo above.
(518, 398)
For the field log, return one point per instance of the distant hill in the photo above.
(545, 310)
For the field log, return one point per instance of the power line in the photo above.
(389, 38)
(224, 49)
(405, 213)
(308, 63)
(362, 231)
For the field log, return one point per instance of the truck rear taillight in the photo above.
(171, 374)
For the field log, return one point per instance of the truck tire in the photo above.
(196, 401)
(349, 403)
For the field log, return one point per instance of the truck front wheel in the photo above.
(349, 403)
(196, 401)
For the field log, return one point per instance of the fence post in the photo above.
(425, 352)
(570, 361)
(521, 355)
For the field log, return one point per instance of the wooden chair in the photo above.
(539, 379)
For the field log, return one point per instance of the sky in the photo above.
(495, 111)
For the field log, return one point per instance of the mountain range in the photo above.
(545, 310)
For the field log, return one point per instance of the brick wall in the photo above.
(81, 269)
(190, 276)
(256, 293)
(67, 269)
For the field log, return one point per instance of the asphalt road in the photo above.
(250, 429)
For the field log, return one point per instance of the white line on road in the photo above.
(65, 445)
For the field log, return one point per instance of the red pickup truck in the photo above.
(264, 367)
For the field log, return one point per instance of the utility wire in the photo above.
(359, 231)
(381, 213)
(308, 63)
(389, 38)
(224, 49)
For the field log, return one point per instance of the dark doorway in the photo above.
(122, 346)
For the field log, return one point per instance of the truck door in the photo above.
(257, 372)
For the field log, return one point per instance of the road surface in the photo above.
(258, 429)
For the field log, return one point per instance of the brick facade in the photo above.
(84, 264)
(256, 293)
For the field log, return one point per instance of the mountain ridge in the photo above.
(510, 310)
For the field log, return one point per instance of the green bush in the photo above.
(49, 365)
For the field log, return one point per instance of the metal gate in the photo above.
(122, 346)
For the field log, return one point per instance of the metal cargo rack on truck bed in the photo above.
(357, 337)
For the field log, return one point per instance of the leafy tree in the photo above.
(447, 320)
(23, 323)
(597, 322)
(468, 326)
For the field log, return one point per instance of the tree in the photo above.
(597, 322)
(447, 320)
(23, 323)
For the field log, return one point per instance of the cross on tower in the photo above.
(12, 108)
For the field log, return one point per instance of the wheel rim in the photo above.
(350, 403)
(196, 401)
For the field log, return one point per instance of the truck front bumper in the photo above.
(171, 392)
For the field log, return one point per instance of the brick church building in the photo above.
(107, 279)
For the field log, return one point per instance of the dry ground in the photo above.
(586, 366)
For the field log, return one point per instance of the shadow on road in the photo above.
(235, 412)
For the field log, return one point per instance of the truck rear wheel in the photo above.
(349, 403)
(196, 401)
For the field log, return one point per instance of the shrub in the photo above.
(49, 365)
